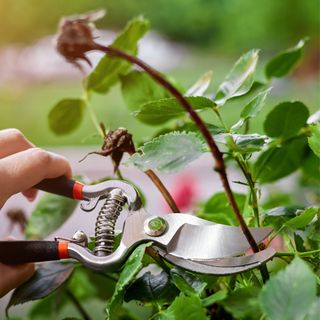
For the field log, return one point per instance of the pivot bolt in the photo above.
(155, 226)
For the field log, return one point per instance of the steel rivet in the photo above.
(155, 226)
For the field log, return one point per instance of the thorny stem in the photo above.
(78, 305)
(217, 155)
(166, 194)
(252, 186)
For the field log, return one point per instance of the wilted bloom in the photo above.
(115, 144)
(75, 37)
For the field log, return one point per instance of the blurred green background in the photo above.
(213, 32)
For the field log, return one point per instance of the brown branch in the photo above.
(217, 155)
(166, 194)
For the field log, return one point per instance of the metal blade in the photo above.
(212, 241)
(223, 266)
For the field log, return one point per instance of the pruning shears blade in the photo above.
(212, 241)
(222, 266)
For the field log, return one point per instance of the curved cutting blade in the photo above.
(223, 266)
(212, 241)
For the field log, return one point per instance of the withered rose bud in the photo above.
(115, 144)
(75, 37)
(17, 216)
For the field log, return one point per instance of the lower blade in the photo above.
(224, 266)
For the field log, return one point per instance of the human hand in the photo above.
(22, 166)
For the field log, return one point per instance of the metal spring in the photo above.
(106, 221)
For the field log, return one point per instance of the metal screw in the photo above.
(80, 237)
(155, 226)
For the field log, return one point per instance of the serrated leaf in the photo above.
(160, 111)
(290, 293)
(311, 167)
(284, 62)
(200, 87)
(286, 119)
(184, 308)
(169, 153)
(217, 209)
(109, 68)
(303, 219)
(278, 216)
(314, 139)
(243, 143)
(187, 282)
(66, 116)
(252, 109)
(279, 162)
(138, 88)
(49, 214)
(130, 269)
(240, 79)
(46, 279)
(152, 288)
(214, 298)
(243, 303)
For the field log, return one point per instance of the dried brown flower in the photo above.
(75, 37)
(17, 217)
(115, 144)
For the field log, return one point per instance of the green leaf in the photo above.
(131, 268)
(311, 167)
(200, 87)
(290, 293)
(314, 311)
(46, 279)
(107, 72)
(303, 219)
(217, 296)
(243, 143)
(286, 119)
(279, 162)
(48, 215)
(217, 209)
(169, 153)
(243, 303)
(138, 88)
(66, 116)
(240, 79)
(187, 282)
(184, 308)
(314, 139)
(252, 109)
(281, 64)
(152, 288)
(280, 215)
(160, 111)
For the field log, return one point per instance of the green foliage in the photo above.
(131, 268)
(47, 278)
(160, 111)
(217, 209)
(290, 293)
(303, 219)
(48, 215)
(286, 119)
(107, 72)
(66, 116)
(280, 65)
(314, 139)
(138, 88)
(240, 79)
(168, 153)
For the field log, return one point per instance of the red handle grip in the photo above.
(62, 186)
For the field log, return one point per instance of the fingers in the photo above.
(12, 141)
(13, 276)
(30, 194)
(21, 171)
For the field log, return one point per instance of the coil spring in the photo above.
(106, 221)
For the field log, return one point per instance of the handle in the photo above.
(62, 186)
(16, 252)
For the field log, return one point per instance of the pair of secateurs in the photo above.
(180, 238)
